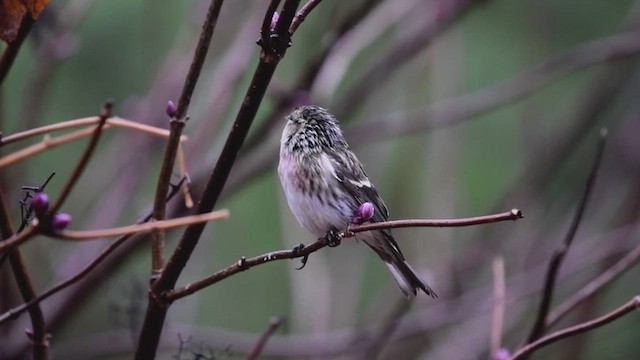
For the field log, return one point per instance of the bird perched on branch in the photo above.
(325, 184)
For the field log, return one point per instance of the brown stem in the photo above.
(527, 350)
(105, 113)
(177, 125)
(304, 251)
(274, 324)
(274, 47)
(302, 14)
(38, 334)
(558, 256)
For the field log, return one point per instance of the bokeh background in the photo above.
(456, 108)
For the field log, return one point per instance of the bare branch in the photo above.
(105, 113)
(10, 52)
(302, 14)
(560, 254)
(527, 350)
(303, 251)
(274, 324)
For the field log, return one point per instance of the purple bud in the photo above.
(363, 213)
(60, 221)
(501, 354)
(39, 203)
(171, 108)
(274, 20)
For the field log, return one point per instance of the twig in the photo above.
(304, 251)
(274, 324)
(498, 304)
(15, 312)
(594, 286)
(177, 125)
(38, 335)
(105, 113)
(11, 51)
(560, 253)
(302, 14)
(525, 351)
(8, 244)
(93, 120)
(141, 228)
(274, 46)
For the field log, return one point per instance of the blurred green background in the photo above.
(532, 153)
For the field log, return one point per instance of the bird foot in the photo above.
(333, 238)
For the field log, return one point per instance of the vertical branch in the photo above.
(274, 46)
(560, 253)
(177, 124)
(498, 305)
(38, 334)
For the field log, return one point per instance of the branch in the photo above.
(93, 120)
(274, 324)
(274, 46)
(177, 125)
(38, 335)
(499, 299)
(303, 251)
(527, 350)
(142, 228)
(105, 113)
(13, 313)
(594, 286)
(302, 14)
(560, 253)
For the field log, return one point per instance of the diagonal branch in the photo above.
(105, 113)
(560, 254)
(632, 305)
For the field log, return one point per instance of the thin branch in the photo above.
(632, 305)
(93, 120)
(8, 244)
(105, 113)
(11, 51)
(560, 253)
(499, 299)
(15, 312)
(142, 228)
(302, 14)
(177, 125)
(273, 49)
(605, 278)
(274, 324)
(303, 251)
(49, 143)
(38, 335)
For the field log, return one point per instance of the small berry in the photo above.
(60, 221)
(363, 213)
(39, 203)
(171, 109)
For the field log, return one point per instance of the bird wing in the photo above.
(351, 176)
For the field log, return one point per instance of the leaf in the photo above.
(11, 13)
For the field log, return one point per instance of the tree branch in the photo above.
(560, 254)
(527, 350)
(10, 52)
(303, 251)
(274, 324)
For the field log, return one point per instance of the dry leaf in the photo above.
(11, 13)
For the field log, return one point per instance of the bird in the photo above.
(325, 184)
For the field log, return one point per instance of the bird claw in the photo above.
(303, 262)
(333, 238)
(296, 252)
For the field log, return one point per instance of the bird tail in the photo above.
(407, 278)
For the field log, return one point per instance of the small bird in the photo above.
(325, 183)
